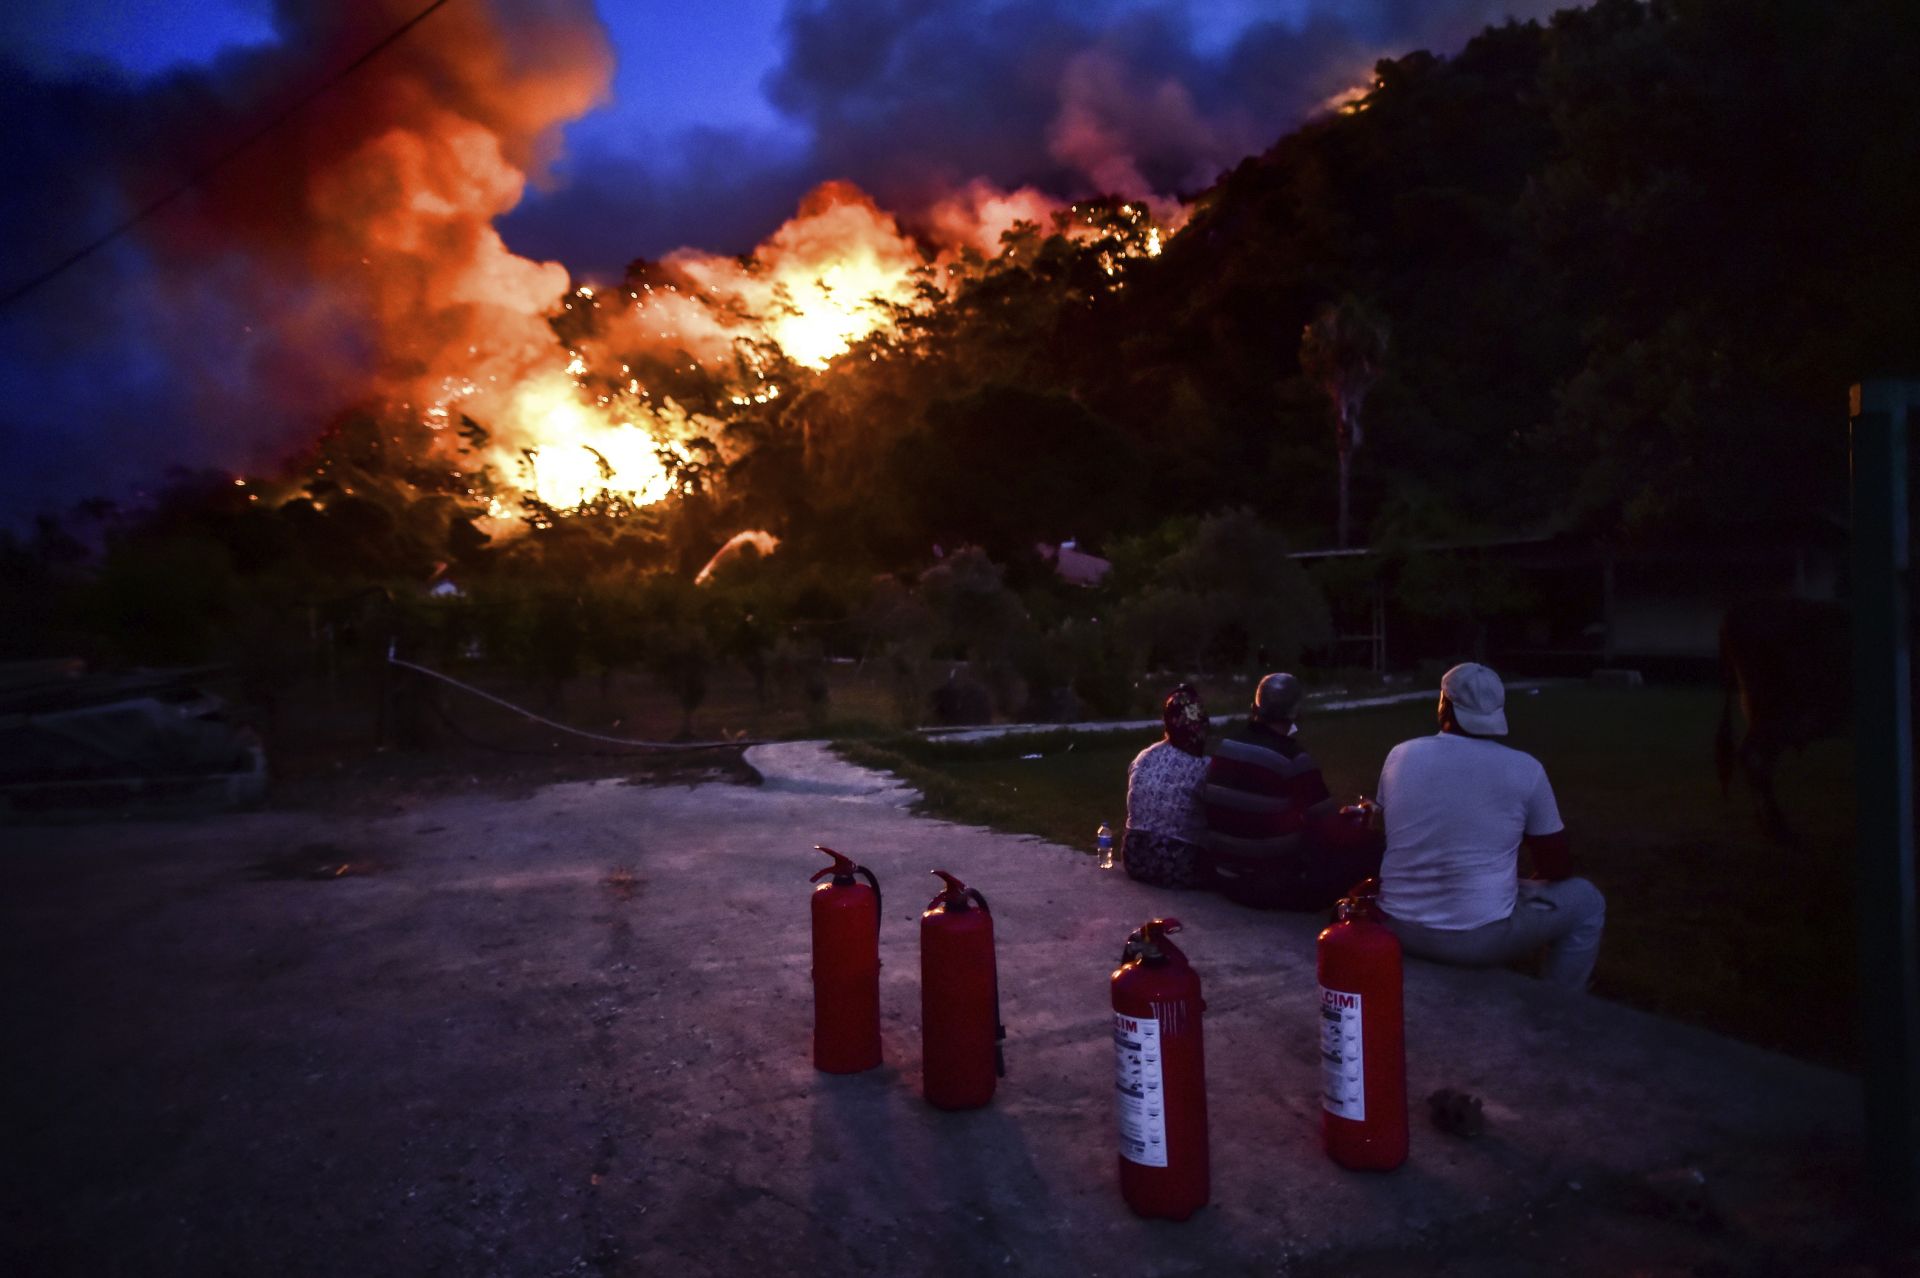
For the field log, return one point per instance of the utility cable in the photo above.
(454, 726)
(220, 161)
(431, 673)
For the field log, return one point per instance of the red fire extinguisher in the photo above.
(959, 999)
(1160, 1076)
(1363, 1057)
(846, 968)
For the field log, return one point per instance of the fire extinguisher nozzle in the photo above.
(843, 867)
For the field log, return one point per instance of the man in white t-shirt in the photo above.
(1458, 806)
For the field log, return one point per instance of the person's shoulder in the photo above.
(1495, 747)
(1246, 750)
(1499, 747)
(1511, 760)
(1287, 747)
(1524, 762)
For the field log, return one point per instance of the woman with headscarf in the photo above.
(1166, 823)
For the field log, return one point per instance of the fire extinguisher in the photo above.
(846, 968)
(1160, 1076)
(959, 999)
(1363, 1057)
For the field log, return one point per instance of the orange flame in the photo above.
(837, 272)
(821, 282)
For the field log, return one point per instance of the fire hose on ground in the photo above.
(393, 659)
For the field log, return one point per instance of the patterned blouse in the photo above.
(1163, 793)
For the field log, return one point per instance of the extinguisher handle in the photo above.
(1144, 942)
(868, 875)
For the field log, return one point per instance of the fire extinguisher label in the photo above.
(1139, 1090)
(1343, 1077)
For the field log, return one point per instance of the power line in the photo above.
(207, 170)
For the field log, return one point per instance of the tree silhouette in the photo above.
(1341, 351)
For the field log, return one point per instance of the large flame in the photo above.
(576, 451)
(821, 282)
(587, 426)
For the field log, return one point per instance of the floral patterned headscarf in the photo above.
(1185, 720)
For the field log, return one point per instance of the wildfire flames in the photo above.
(577, 451)
(822, 281)
(364, 250)
(831, 276)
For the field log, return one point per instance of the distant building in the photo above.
(1074, 565)
(1562, 604)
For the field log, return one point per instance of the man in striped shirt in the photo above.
(1264, 799)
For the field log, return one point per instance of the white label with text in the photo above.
(1343, 1079)
(1140, 1095)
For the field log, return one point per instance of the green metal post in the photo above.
(1883, 784)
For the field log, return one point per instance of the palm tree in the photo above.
(1341, 350)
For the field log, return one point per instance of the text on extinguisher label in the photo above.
(1343, 1078)
(1139, 1090)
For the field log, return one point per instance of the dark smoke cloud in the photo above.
(913, 98)
(903, 95)
(347, 257)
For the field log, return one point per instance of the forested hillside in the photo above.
(1608, 276)
(1626, 265)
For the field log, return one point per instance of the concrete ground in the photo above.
(568, 1032)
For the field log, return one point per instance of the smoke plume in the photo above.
(913, 101)
(349, 255)
(352, 256)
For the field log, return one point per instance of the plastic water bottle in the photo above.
(1103, 845)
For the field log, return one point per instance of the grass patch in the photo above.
(1707, 921)
(1078, 781)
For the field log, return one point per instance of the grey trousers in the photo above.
(1565, 916)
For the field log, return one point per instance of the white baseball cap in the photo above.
(1478, 698)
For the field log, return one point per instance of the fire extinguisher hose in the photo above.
(397, 662)
(999, 1029)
